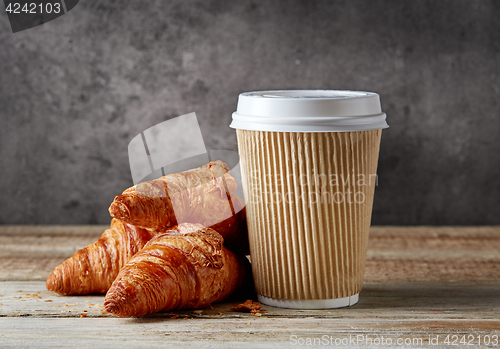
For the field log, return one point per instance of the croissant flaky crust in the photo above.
(186, 267)
(204, 195)
(93, 268)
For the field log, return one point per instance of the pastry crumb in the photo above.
(83, 315)
(249, 307)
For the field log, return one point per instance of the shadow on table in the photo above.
(376, 300)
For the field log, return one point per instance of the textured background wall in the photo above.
(75, 91)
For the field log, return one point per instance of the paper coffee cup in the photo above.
(308, 162)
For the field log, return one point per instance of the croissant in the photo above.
(93, 268)
(234, 229)
(205, 195)
(186, 267)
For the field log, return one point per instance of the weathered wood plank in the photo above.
(420, 283)
(437, 254)
(32, 252)
(433, 254)
(378, 300)
(231, 333)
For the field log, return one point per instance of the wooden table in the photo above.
(423, 285)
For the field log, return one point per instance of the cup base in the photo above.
(309, 303)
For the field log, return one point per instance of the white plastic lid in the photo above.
(309, 111)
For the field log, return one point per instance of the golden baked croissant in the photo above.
(187, 267)
(93, 268)
(204, 195)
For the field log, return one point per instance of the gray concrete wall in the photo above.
(75, 91)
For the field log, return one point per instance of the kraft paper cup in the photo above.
(308, 163)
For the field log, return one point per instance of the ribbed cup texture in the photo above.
(309, 199)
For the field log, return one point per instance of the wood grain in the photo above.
(435, 254)
(32, 252)
(227, 333)
(394, 253)
(420, 283)
(387, 300)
